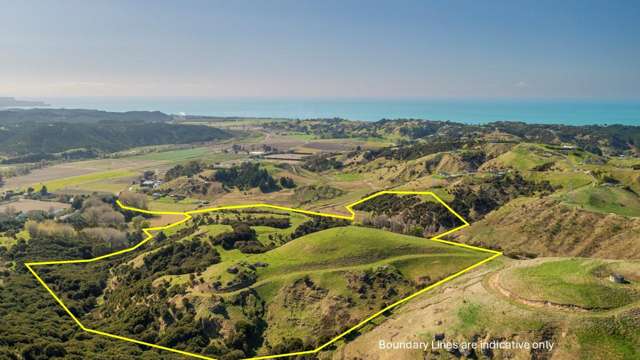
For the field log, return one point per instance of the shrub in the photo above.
(133, 199)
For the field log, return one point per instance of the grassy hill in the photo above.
(605, 200)
(349, 247)
(575, 282)
(266, 291)
(303, 292)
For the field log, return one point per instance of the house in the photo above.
(151, 183)
(157, 195)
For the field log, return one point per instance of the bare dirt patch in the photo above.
(165, 219)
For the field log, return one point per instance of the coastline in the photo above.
(566, 112)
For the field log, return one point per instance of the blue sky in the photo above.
(442, 49)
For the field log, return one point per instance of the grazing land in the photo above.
(560, 202)
(26, 205)
(580, 283)
(276, 258)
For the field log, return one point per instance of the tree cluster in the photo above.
(247, 176)
(189, 169)
(317, 223)
(243, 237)
(475, 201)
(319, 163)
(180, 258)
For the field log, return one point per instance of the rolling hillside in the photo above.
(39, 134)
(546, 227)
(303, 292)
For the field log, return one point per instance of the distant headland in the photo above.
(10, 102)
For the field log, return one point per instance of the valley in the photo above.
(235, 278)
(320, 180)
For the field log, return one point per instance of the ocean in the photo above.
(569, 112)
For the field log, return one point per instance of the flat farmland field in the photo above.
(25, 205)
(107, 181)
(74, 170)
(110, 175)
(175, 155)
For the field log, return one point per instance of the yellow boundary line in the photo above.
(187, 216)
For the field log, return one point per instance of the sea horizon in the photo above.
(465, 110)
